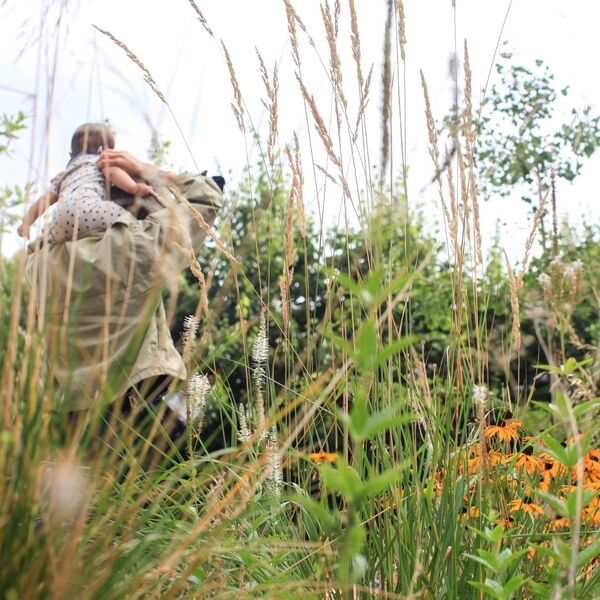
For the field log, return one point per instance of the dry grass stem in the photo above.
(469, 133)
(199, 275)
(464, 190)
(554, 215)
(434, 153)
(293, 20)
(537, 219)
(298, 184)
(364, 98)
(514, 303)
(201, 18)
(355, 39)
(147, 76)
(453, 216)
(326, 173)
(289, 259)
(401, 28)
(386, 91)
(238, 107)
(208, 230)
(320, 126)
(272, 89)
(334, 59)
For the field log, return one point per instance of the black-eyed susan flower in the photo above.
(559, 522)
(591, 468)
(527, 461)
(525, 505)
(508, 521)
(507, 431)
(472, 512)
(320, 457)
(551, 468)
(591, 515)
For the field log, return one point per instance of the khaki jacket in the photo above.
(99, 297)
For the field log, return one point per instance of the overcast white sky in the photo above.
(94, 80)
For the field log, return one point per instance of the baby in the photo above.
(80, 192)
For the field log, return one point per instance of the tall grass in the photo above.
(347, 463)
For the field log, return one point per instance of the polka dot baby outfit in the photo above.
(81, 200)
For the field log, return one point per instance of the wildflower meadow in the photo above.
(382, 404)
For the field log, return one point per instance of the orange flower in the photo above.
(544, 484)
(551, 467)
(508, 522)
(592, 513)
(591, 467)
(320, 457)
(472, 513)
(526, 506)
(507, 432)
(497, 458)
(560, 522)
(527, 462)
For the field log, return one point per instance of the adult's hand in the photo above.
(123, 160)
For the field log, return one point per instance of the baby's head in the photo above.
(89, 137)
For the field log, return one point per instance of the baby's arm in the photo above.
(36, 210)
(124, 182)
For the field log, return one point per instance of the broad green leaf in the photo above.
(512, 585)
(586, 498)
(377, 483)
(556, 449)
(316, 510)
(383, 420)
(393, 348)
(584, 408)
(366, 347)
(556, 503)
(352, 544)
(563, 551)
(486, 558)
(589, 553)
(343, 479)
(493, 588)
(507, 557)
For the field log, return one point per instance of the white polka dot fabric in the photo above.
(82, 202)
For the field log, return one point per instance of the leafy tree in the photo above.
(517, 140)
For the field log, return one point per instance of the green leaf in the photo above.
(366, 347)
(542, 590)
(563, 551)
(343, 479)
(556, 449)
(494, 535)
(493, 588)
(589, 553)
(350, 565)
(507, 557)
(587, 496)
(315, 510)
(377, 483)
(383, 420)
(388, 351)
(486, 558)
(363, 426)
(584, 408)
(513, 584)
(556, 503)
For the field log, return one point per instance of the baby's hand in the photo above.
(23, 230)
(141, 189)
